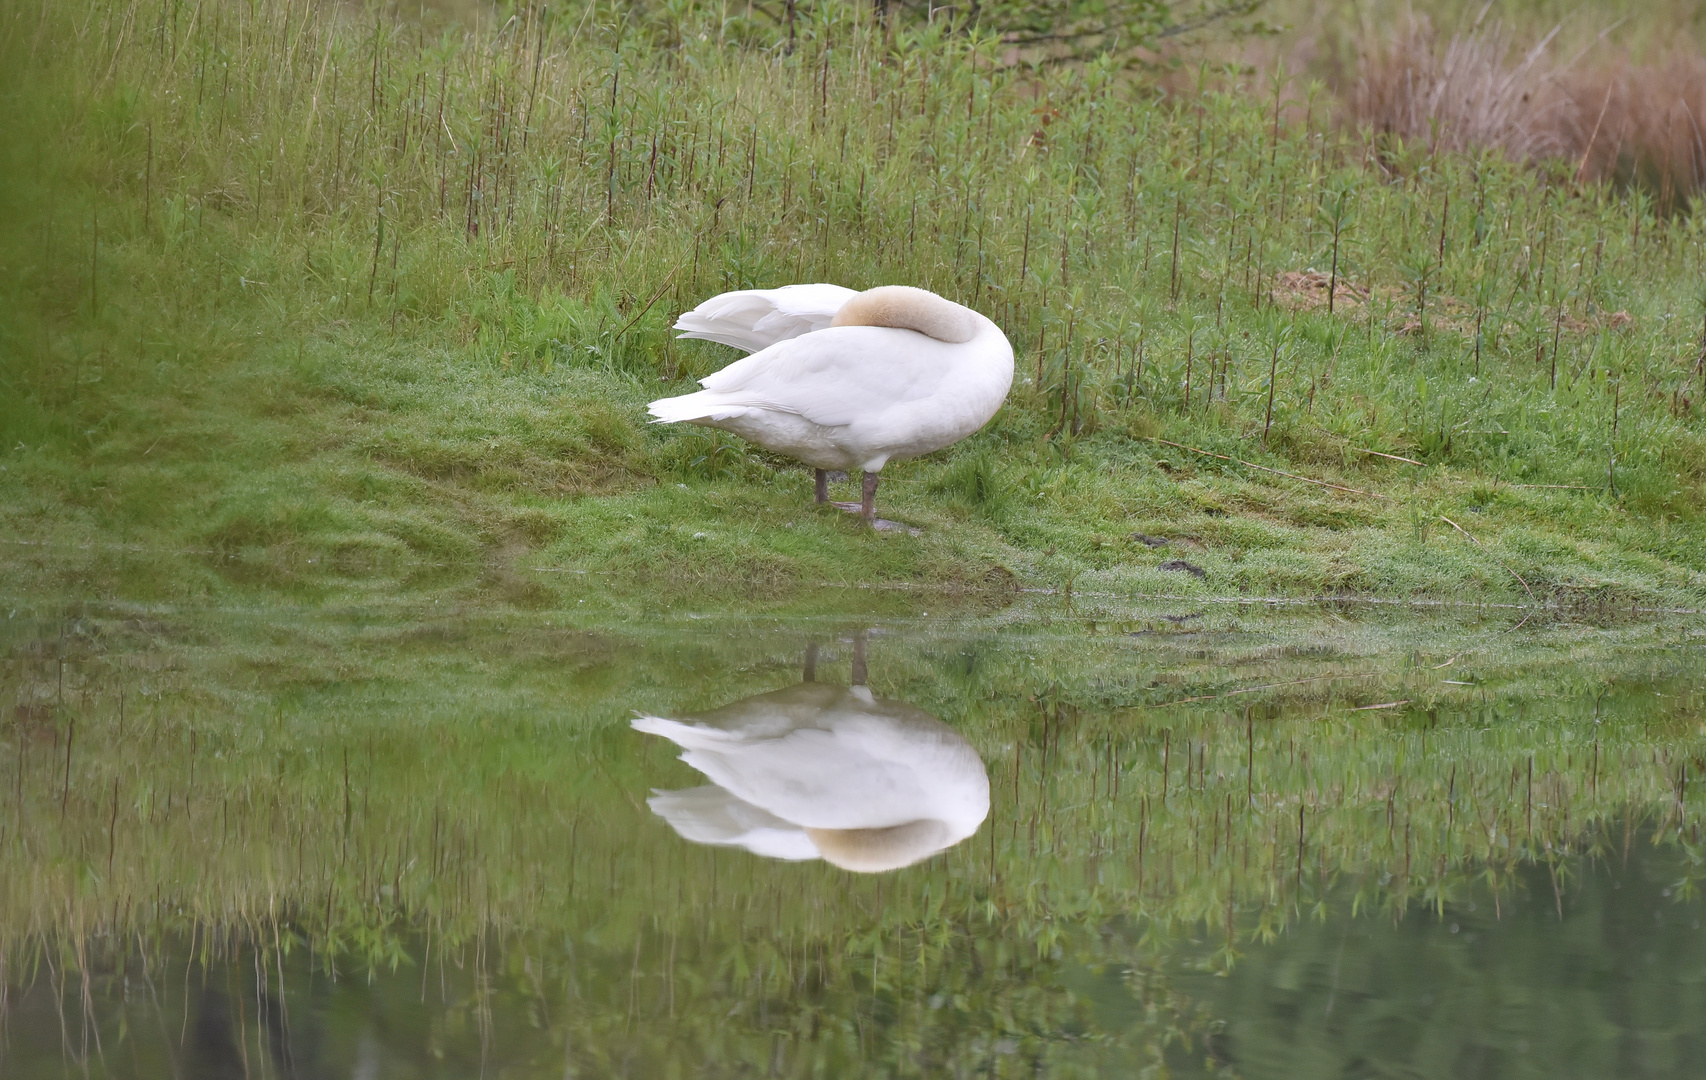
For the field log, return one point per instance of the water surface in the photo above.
(1177, 843)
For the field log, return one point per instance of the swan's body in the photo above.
(823, 771)
(844, 380)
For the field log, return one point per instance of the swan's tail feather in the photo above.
(704, 405)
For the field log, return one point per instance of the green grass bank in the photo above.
(312, 306)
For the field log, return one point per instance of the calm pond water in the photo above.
(1228, 842)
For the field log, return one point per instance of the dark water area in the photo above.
(1606, 976)
(1615, 985)
(1236, 845)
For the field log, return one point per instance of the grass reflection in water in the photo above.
(295, 847)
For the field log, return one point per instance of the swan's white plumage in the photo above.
(711, 815)
(858, 396)
(864, 782)
(753, 319)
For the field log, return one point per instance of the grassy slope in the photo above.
(280, 336)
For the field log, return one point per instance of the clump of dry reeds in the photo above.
(1465, 95)
(1633, 123)
(1645, 125)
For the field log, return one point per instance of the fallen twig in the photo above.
(1501, 562)
(1264, 468)
(1393, 457)
(669, 277)
(1254, 689)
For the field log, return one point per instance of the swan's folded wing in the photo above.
(821, 780)
(763, 716)
(754, 319)
(836, 376)
(685, 735)
(710, 815)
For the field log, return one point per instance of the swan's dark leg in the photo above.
(859, 676)
(868, 500)
(822, 486)
(811, 662)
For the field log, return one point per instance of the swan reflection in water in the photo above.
(820, 771)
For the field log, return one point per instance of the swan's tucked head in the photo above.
(872, 851)
(906, 308)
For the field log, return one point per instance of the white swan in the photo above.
(823, 771)
(846, 380)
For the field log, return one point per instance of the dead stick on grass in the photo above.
(1393, 457)
(669, 277)
(1254, 689)
(1264, 468)
(1501, 562)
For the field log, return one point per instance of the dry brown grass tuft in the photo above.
(1466, 95)
(1644, 125)
(1640, 124)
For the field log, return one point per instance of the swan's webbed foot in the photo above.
(866, 508)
